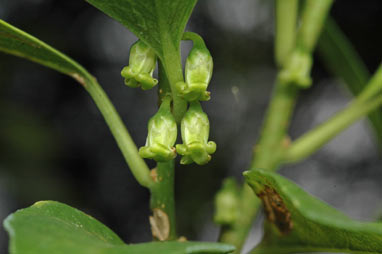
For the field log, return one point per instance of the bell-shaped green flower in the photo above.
(198, 72)
(297, 69)
(227, 203)
(142, 63)
(162, 134)
(195, 129)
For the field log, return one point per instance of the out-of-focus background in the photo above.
(54, 144)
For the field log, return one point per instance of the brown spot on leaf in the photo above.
(275, 210)
(160, 225)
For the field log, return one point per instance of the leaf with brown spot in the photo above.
(275, 209)
(298, 222)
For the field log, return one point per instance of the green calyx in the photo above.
(297, 69)
(142, 64)
(227, 203)
(195, 128)
(162, 133)
(198, 71)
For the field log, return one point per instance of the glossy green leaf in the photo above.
(299, 222)
(156, 22)
(17, 42)
(50, 227)
(343, 60)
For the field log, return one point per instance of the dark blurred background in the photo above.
(54, 144)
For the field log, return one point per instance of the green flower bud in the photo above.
(227, 203)
(198, 72)
(297, 70)
(195, 129)
(142, 63)
(162, 134)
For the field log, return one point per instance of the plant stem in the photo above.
(162, 192)
(313, 18)
(162, 198)
(373, 87)
(160, 181)
(342, 60)
(268, 153)
(286, 23)
(340, 56)
(196, 39)
(164, 84)
(273, 141)
(174, 72)
(319, 136)
(125, 143)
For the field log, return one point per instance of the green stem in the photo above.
(125, 143)
(316, 138)
(286, 23)
(174, 72)
(273, 141)
(196, 39)
(313, 18)
(162, 192)
(373, 87)
(162, 201)
(164, 84)
(341, 58)
(268, 153)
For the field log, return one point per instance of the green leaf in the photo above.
(17, 42)
(156, 22)
(160, 24)
(343, 60)
(50, 227)
(299, 222)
